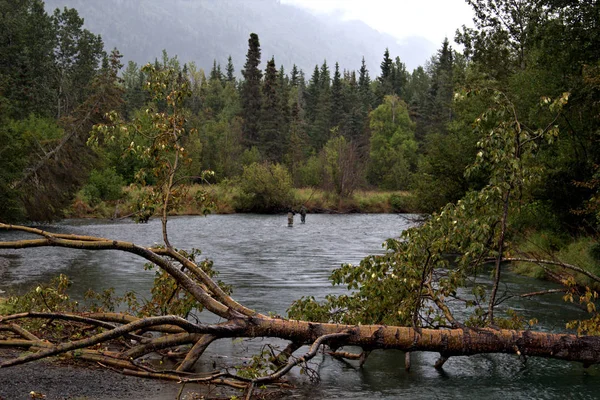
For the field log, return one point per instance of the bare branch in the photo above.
(293, 362)
(557, 263)
(118, 332)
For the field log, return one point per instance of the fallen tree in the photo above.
(399, 300)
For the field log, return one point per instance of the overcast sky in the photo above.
(432, 19)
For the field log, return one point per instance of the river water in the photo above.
(270, 264)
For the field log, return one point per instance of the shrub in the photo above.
(105, 185)
(310, 172)
(265, 187)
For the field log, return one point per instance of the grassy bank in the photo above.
(224, 200)
(583, 252)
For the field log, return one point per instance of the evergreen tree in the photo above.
(364, 86)
(320, 129)
(299, 146)
(417, 95)
(386, 78)
(325, 76)
(133, 84)
(355, 117)
(272, 137)
(312, 95)
(251, 94)
(294, 76)
(27, 42)
(230, 77)
(78, 54)
(337, 100)
(439, 101)
(400, 76)
(284, 99)
(215, 72)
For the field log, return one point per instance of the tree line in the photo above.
(338, 130)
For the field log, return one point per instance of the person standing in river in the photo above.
(303, 214)
(291, 217)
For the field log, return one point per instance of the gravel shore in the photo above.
(56, 381)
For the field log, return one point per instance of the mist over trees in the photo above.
(205, 30)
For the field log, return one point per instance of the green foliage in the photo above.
(393, 146)
(220, 149)
(260, 364)
(440, 179)
(383, 292)
(265, 187)
(169, 298)
(251, 156)
(411, 283)
(251, 98)
(19, 142)
(272, 136)
(27, 44)
(586, 298)
(157, 138)
(514, 321)
(104, 185)
(50, 297)
(401, 203)
(310, 172)
(580, 252)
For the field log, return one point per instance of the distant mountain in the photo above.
(205, 30)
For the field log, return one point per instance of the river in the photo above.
(270, 264)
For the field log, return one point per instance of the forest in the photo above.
(497, 144)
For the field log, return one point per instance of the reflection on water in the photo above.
(269, 265)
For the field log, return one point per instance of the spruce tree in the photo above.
(294, 76)
(230, 77)
(354, 119)
(284, 100)
(400, 78)
(319, 133)
(364, 86)
(439, 100)
(312, 94)
(299, 147)
(386, 78)
(251, 95)
(337, 100)
(215, 72)
(272, 143)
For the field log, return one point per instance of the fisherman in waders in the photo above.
(303, 214)
(291, 217)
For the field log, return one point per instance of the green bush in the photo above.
(310, 172)
(536, 215)
(581, 253)
(264, 188)
(104, 185)
(401, 203)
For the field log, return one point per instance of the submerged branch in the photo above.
(306, 357)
